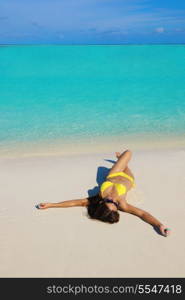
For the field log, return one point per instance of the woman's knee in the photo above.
(128, 153)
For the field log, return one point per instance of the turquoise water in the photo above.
(58, 93)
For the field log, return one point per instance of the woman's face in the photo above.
(112, 206)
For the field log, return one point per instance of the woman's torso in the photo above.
(111, 191)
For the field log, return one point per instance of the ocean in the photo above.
(56, 94)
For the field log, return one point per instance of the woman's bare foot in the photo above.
(118, 154)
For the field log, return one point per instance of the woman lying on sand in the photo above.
(112, 197)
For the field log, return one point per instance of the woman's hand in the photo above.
(164, 230)
(43, 205)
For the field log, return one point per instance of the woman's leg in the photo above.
(128, 172)
(122, 162)
(127, 169)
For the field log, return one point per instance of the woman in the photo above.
(112, 197)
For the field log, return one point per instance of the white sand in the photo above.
(65, 243)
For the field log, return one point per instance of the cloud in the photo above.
(180, 29)
(35, 24)
(113, 32)
(3, 18)
(160, 29)
(60, 35)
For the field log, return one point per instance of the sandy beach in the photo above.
(65, 242)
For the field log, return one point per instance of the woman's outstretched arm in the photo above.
(64, 204)
(145, 216)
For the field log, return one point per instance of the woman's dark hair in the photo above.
(97, 209)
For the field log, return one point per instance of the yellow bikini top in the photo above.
(120, 188)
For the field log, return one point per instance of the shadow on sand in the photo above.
(102, 173)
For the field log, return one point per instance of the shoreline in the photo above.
(91, 146)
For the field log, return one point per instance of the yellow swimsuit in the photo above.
(121, 188)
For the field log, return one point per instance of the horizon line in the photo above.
(90, 44)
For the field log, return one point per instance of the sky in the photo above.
(92, 21)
